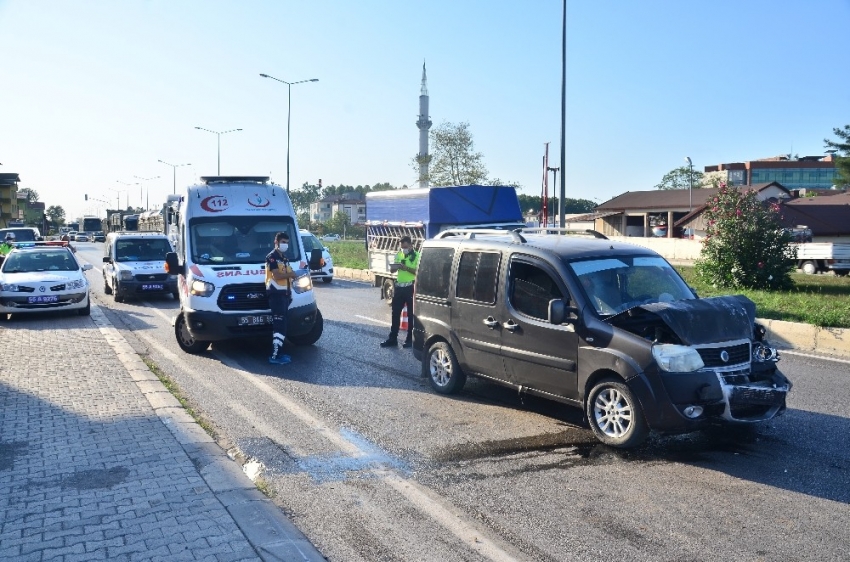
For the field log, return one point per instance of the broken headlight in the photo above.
(763, 353)
(677, 358)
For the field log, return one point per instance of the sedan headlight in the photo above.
(201, 288)
(126, 275)
(302, 284)
(677, 358)
(78, 284)
(9, 287)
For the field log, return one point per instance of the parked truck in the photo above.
(423, 213)
(822, 257)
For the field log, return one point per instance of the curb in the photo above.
(267, 529)
(785, 335)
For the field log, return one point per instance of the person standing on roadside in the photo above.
(408, 258)
(279, 276)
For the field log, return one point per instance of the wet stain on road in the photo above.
(96, 479)
(10, 451)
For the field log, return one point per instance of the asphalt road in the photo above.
(372, 465)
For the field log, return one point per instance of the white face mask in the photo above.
(283, 246)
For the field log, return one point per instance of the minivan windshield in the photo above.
(615, 284)
(239, 240)
(141, 249)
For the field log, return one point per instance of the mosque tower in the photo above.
(424, 123)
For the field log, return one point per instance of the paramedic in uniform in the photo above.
(403, 293)
(279, 276)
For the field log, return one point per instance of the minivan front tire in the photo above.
(442, 369)
(615, 415)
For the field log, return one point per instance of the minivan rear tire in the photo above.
(615, 415)
(442, 369)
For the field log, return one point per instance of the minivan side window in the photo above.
(476, 276)
(435, 272)
(531, 289)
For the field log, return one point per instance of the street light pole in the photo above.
(140, 189)
(288, 116)
(690, 184)
(173, 174)
(218, 135)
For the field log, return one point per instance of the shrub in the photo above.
(745, 245)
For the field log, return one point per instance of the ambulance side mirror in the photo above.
(172, 266)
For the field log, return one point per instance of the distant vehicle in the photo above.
(134, 265)
(22, 234)
(424, 213)
(331, 237)
(42, 278)
(326, 271)
(90, 223)
(99, 236)
(82, 237)
(72, 236)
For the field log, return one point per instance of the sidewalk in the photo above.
(98, 461)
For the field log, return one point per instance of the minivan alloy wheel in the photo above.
(442, 369)
(615, 415)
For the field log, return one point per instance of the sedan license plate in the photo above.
(153, 287)
(37, 300)
(255, 320)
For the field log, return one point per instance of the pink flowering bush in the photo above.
(745, 246)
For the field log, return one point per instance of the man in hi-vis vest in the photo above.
(408, 260)
(279, 276)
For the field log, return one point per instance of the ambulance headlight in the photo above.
(302, 284)
(201, 288)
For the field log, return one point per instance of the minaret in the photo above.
(424, 123)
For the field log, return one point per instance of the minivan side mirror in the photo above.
(172, 266)
(315, 259)
(558, 311)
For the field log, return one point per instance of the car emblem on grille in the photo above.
(42, 289)
(152, 277)
(724, 356)
(254, 295)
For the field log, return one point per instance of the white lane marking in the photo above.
(375, 320)
(423, 499)
(158, 312)
(812, 356)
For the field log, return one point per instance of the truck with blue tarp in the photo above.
(423, 213)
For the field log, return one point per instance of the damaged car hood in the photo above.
(699, 321)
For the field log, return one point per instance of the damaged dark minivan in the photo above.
(608, 327)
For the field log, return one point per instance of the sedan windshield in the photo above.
(29, 261)
(616, 284)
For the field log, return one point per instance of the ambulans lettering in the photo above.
(231, 273)
(215, 204)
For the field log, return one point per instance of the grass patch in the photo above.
(820, 300)
(172, 387)
(349, 253)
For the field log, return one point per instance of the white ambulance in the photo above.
(226, 228)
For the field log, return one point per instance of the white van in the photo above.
(226, 228)
(134, 265)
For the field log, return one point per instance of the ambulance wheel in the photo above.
(313, 335)
(185, 340)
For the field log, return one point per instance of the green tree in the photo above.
(339, 223)
(842, 161)
(745, 245)
(572, 206)
(453, 160)
(305, 195)
(32, 195)
(56, 215)
(680, 178)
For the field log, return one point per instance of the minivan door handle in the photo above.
(491, 322)
(511, 326)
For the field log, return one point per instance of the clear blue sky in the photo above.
(95, 92)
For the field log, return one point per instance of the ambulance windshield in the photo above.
(239, 240)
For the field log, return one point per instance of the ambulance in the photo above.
(225, 229)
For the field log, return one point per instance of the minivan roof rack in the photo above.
(565, 231)
(471, 232)
(234, 179)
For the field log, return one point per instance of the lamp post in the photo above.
(690, 184)
(217, 134)
(174, 174)
(288, 115)
(127, 191)
(140, 189)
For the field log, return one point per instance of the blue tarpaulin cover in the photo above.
(454, 205)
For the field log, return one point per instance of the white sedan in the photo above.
(41, 278)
